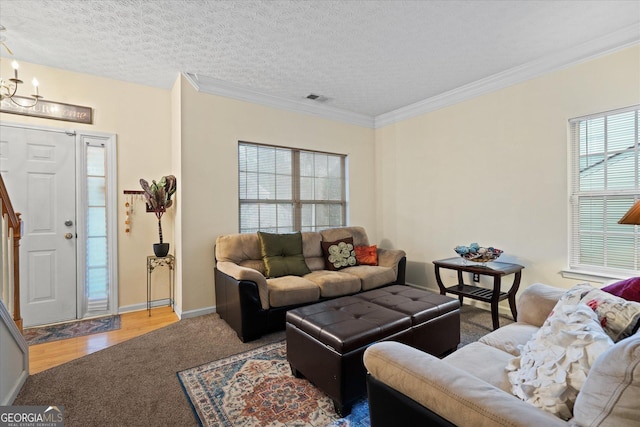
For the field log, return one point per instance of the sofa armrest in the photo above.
(536, 302)
(452, 393)
(391, 258)
(241, 273)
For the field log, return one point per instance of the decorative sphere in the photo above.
(461, 250)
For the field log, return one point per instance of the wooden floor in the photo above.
(50, 354)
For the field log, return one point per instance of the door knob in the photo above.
(68, 223)
(68, 236)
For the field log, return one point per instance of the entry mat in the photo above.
(61, 331)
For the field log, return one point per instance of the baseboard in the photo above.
(165, 302)
(198, 312)
(143, 306)
(413, 285)
(502, 310)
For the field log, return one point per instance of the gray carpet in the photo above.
(135, 384)
(475, 322)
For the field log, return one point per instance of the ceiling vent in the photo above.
(317, 98)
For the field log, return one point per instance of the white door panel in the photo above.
(38, 167)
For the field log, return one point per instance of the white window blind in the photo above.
(282, 190)
(605, 184)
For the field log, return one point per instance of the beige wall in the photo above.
(140, 118)
(494, 170)
(211, 128)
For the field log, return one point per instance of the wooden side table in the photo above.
(152, 263)
(493, 296)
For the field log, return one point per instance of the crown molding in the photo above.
(221, 88)
(615, 41)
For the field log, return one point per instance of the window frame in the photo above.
(295, 201)
(577, 264)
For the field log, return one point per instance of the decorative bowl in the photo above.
(476, 253)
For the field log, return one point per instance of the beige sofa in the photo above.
(253, 304)
(471, 386)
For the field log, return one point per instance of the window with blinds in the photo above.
(282, 190)
(605, 184)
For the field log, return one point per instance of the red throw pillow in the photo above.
(367, 255)
(628, 289)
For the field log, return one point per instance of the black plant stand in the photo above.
(152, 263)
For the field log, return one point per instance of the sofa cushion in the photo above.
(315, 264)
(367, 255)
(238, 248)
(490, 370)
(334, 283)
(536, 302)
(554, 364)
(339, 254)
(618, 317)
(610, 395)
(628, 289)
(290, 290)
(358, 234)
(312, 250)
(372, 276)
(510, 338)
(311, 247)
(282, 254)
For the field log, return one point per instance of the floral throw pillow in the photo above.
(339, 254)
(554, 364)
(618, 317)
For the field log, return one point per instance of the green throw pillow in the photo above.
(282, 254)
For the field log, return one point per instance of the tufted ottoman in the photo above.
(325, 341)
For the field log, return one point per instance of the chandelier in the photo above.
(9, 87)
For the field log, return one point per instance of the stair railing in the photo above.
(10, 256)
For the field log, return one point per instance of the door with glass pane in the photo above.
(39, 171)
(62, 184)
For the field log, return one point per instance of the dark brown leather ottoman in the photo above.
(325, 341)
(435, 320)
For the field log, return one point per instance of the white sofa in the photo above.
(471, 387)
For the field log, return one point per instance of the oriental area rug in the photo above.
(256, 388)
(42, 334)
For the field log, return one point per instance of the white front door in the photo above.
(39, 170)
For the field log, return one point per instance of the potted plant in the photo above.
(158, 196)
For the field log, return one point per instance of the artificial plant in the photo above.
(158, 196)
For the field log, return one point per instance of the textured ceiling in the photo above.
(366, 57)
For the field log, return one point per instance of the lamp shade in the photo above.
(632, 216)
